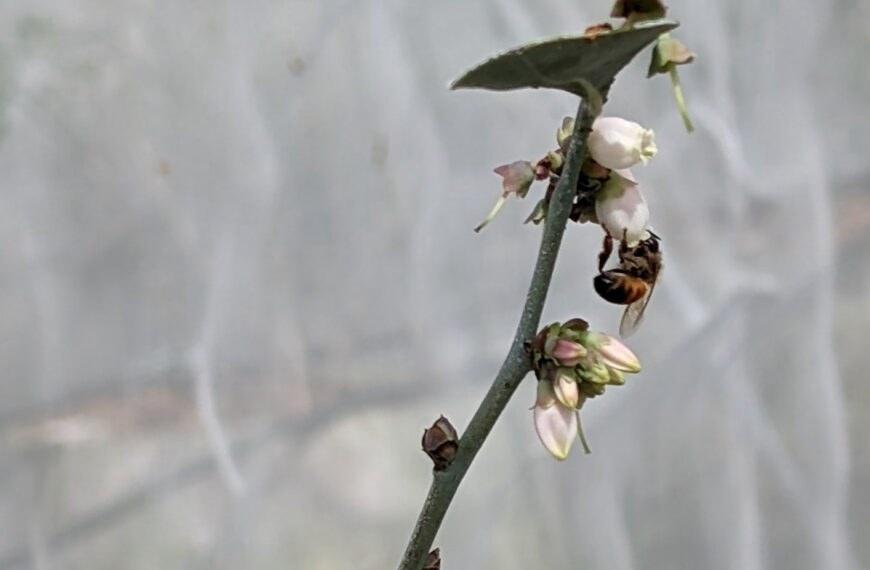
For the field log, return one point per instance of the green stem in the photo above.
(678, 93)
(583, 441)
(516, 365)
(492, 213)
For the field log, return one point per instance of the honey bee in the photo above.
(633, 281)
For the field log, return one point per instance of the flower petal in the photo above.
(567, 352)
(557, 428)
(618, 143)
(565, 387)
(546, 397)
(624, 212)
(616, 355)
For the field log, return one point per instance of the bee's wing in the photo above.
(633, 315)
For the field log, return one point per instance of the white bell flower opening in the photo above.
(618, 143)
(621, 208)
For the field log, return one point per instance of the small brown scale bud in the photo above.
(637, 10)
(433, 560)
(593, 32)
(440, 442)
(542, 168)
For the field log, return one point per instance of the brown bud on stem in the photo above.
(638, 10)
(433, 560)
(593, 32)
(440, 443)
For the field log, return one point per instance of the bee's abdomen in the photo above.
(619, 288)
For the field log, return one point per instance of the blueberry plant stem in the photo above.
(517, 365)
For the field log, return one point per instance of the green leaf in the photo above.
(569, 63)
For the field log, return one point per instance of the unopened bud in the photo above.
(567, 352)
(615, 354)
(433, 560)
(638, 10)
(617, 377)
(595, 372)
(557, 160)
(576, 324)
(565, 387)
(591, 389)
(440, 443)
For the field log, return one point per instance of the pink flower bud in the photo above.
(565, 388)
(567, 352)
(615, 354)
(556, 425)
(617, 143)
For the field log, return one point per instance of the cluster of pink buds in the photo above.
(572, 364)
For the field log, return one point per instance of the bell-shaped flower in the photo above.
(555, 423)
(618, 143)
(614, 353)
(621, 208)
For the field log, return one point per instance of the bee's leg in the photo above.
(606, 250)
(623, 245)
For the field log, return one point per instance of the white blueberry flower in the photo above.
(618, 143)
(555, 423)
(621, 208)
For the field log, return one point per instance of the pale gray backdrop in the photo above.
(238, 278)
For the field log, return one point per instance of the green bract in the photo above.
(569, 63)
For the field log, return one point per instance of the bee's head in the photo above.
(651, 243)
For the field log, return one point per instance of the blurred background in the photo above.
(239, 279)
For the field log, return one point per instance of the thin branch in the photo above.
(516, 365)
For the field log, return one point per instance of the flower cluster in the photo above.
(607, 191)
(572, 364)
(616, 144)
